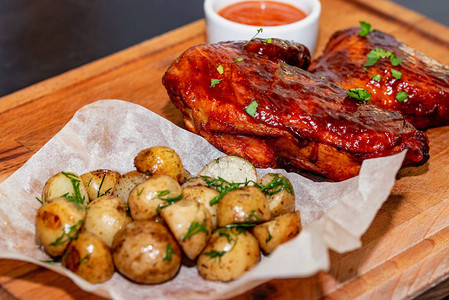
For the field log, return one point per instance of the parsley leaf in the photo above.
(395, 61)
(396, 74)
(376, 77)
(213, 82)
(268, 41)
(258, 31)
(401, 96)
(375, 55)
(238, 59)
(251, 108)
(365, 28)
(359, 94)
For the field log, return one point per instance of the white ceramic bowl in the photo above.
(304, 31)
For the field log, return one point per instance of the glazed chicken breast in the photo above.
(401, 79)
(255, 100)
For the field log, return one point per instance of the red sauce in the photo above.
(262, 13)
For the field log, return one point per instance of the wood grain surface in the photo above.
(404, 252)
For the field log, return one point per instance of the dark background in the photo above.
(43, 38)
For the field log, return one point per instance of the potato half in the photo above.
(191, 224)
(100, 182)
(160, 160)
(244, 205)
(231, 168)
(204, 195)
(90, 258)
(146, 199)
(228, 255)
(277, 231)
(146, 252)
(105, 216)
(65, 183)
(57, 223)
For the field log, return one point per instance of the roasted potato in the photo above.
(279, 192)
(160, 161)
(231, 168)
(100, 182)
(229, 254)
(127, 182)
(146, 252)
(204, 195)
(191, 224)
(277, 231)
(243, 205)
(57, 223)
(147, 198)
(195, 181)
(65, 183)
(105, 216)
(89, 257)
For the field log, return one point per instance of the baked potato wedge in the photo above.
(277, 231)
(90, 258)
(100, 182)
(146, 252)
(229, 254)
(105, 216)
(147, 198)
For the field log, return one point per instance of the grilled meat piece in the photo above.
(425, 81)
(255, 101)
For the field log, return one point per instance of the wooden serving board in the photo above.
(406, 249)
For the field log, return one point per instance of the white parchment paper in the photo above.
(109, 133)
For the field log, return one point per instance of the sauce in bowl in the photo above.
(262, 13)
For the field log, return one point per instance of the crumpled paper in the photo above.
(109, 133)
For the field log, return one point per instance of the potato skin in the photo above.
(283, 201)
(60, 184)
(191, 224)
(58, 219)
(141, 252)
(146, 197)
(90, 258)
(105, 216)
(160, 160)
(127, 182)
(243, 205)
(100, 182)
(240, 252)
(232, 168)
(277, 231)
(203, 194)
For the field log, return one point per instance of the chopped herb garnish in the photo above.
(252, 217)
(365, 28)
(376, 77)
(222, 186)
(238, 59)
(359, 94)
(375, 55)
(395, 61)
(49, 261)
(99, 189)
(220, 69)
(278, 184)
(85, 259)
(76, 198)
(213, 82)
(139, 192)
(324, 78)
(194, 228)
(240, 226)
(396, 74)
(401, 96)
(258, 31)
(90, 181)
(365, 70)
(251, 108)
(268, 238)
(69, 233)
(168, 201)
(215, 254)
(168, 253)
(268, 41)
(39, 200)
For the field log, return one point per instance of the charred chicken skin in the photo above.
(424, 82)
(256, 100)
